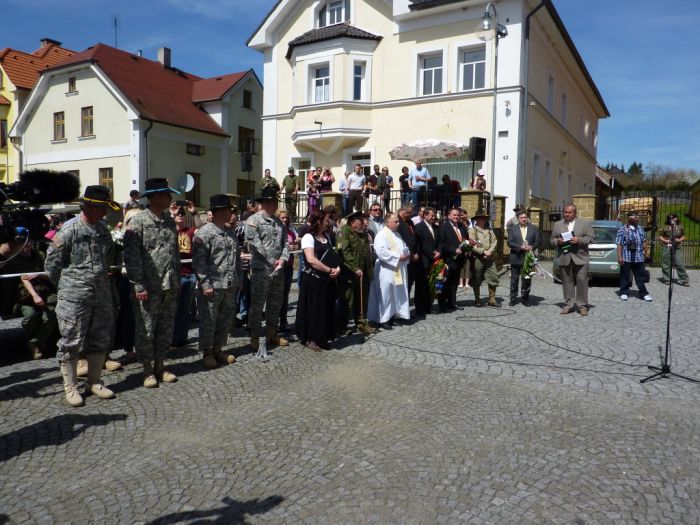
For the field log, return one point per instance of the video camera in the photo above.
(23, 218)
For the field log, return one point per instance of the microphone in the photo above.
(43, 187)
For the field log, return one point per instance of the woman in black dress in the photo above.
(315, 324)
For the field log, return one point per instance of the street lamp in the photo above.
(486, 30)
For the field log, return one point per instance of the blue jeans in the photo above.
(418, 195)
(405, 196)
(628, 270)
(182, 313)
(244, 297)
(346, 203)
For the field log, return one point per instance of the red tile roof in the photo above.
(23, 68)
(216, 87)
(158, 93)
(4, 101)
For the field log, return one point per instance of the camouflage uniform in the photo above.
(152, 261)
(267, 240)
(78, 263)
(354, 251)
(216, 261)
(484, 267)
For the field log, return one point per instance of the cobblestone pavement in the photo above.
(517, 415)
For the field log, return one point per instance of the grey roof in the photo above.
(344, 30)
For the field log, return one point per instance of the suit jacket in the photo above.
(427, 243)
(407, 232)
(515, 241)
(578, 253)
(449, 242)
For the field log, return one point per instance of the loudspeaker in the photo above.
(477, 149)
(246, 161)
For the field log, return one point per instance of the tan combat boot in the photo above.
(111, 365)
(95, 362)
(492, 297)
(149, 378)
(209, 359)
(275, 339)
(364, 328)
(70, 383)
(161, 373)
(223, 358)
(82, 368)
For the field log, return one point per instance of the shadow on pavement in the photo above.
(232, 512)
(17, 377)
(50, 432)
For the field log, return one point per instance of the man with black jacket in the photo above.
(427, 237)
(452, 234)
(406, 231)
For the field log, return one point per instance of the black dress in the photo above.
(317, 295)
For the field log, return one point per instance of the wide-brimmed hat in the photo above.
(99, 196)
(481, 213)
(220, 200)
(158, 185)
(267, 194)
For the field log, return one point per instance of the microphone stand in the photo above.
(665, 370)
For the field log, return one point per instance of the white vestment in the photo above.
(388, 294)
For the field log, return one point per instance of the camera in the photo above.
(632, 246)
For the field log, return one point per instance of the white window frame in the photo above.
(551, 90)
(312, 68)
(323, 11)
(564, 108)
(420, 60)
(363, 80)
(535, 180)
(461, 63)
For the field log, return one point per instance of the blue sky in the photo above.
(642, 54)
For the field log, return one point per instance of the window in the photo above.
(535, 185)
(431, 74)
(247, 99)
(334, 12)
(303, 167)
(3, 134)
(106, 178)
(547, 184)
(550, 94)
(564, 103)
(86, 127)
(358, 80)
(59, 126)
(195, 149)
(322, 84)
(75, 173)
(1, 80)
(365, 159)
(71, 85)
(246, 140)
(473, 69)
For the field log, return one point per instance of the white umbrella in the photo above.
(427, 149)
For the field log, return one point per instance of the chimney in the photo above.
(47, 41)
(164, 56)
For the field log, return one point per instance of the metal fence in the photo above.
(653, 209)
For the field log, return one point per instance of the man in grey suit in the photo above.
(571, 237)
(523, 237)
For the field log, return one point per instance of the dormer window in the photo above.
(334, 12)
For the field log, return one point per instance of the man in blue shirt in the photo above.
(631, 244)
(418, 180)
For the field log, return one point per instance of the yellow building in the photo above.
(19, 72)
(115, 118)
(347, 80)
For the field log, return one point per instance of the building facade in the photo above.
(116, 119)
(19, 72)
(348, 80)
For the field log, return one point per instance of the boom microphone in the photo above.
(42, 187)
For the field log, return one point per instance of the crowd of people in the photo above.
(140, 284)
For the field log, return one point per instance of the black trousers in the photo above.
(421, 299)
(515, 270)
(448, 297)
(355, 200)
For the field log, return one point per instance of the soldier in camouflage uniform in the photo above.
(266, 237)
(152, 261)
(78, 263)
(484, 249)
(217, 264)
(356, 271)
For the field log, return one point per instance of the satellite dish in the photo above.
(185, 183)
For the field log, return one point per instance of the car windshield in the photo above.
(605, 235)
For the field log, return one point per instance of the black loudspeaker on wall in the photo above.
(477, 149)
(246, 161)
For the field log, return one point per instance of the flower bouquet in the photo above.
(437, 276)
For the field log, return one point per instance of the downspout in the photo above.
(145, 138)
(520, 182)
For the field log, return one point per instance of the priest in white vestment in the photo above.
(388, 294)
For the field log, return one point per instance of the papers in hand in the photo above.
(566, 236)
